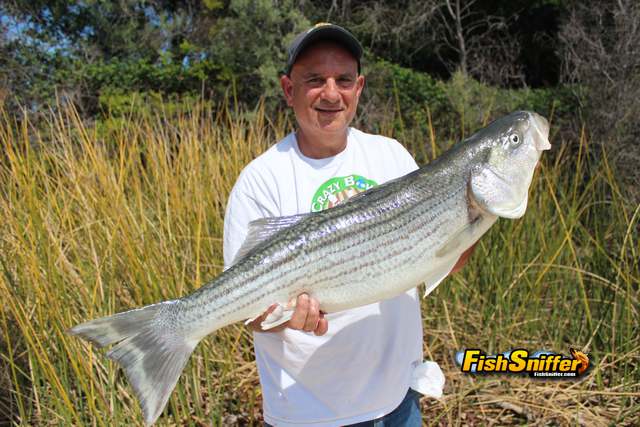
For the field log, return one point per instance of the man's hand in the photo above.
(463, 259)
(306, 317)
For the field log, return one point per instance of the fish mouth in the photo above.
(541, 126)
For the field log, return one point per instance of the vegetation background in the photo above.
(124, 124)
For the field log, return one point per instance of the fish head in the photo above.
(500, 183)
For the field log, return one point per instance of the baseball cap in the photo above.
(323, 31)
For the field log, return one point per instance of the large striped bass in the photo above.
(410, 230)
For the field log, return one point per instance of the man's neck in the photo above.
(321, 147)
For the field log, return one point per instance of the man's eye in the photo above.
(315, 81)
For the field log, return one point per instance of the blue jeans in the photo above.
(407, 414)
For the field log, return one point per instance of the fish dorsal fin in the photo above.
(262, 229)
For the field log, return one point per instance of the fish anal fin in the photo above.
(449, 253)
(272, 322)
(279, 315)
(277, 318)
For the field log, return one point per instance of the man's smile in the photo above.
(328, 110)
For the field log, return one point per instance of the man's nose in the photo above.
(330, 91)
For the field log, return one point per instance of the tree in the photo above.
(251, 43)
(601, 47)
(485, 49)
(506, 43)
(76, 48)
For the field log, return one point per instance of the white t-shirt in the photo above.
(361, 368)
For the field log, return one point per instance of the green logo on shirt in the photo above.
(338, 189)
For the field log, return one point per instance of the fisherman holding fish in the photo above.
(355, 366)
(358, 262)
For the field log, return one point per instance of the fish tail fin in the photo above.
(151, 356)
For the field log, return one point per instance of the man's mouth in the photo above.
(328, 110)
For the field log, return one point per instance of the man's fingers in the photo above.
(306, 317)
(323, 325)
(312, 316)
(299, 317)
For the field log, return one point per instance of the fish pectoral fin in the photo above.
(437, 275)
(277, 317)
(446, 256)
(461, 237)
(262, 229)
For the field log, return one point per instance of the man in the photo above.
(353, 366)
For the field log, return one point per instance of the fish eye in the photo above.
(514, 139)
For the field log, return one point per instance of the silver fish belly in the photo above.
(372, 247)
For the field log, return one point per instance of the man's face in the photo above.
(323, 89)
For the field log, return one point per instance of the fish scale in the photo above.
(371, 247)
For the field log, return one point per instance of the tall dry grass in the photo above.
(128, 211)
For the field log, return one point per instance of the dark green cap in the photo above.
(323, 31)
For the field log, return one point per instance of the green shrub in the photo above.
(165, 77)
(392, 89)
(456, 107)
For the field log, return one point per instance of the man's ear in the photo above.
(360, 80)
(287, 89)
